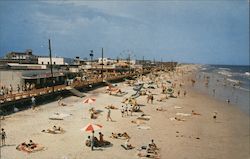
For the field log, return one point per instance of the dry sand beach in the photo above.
(197, 137)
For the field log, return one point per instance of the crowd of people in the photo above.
(5, 90)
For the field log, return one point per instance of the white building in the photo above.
(132, 62)
(55, 60)
(106, 61)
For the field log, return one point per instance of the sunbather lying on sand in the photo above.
(60, 103)
(137, 122)
(148, 155)
(172, 96)
(178, 119)
(160, 109)
(120, 135)
(30, 147)
(111, 107)
(54, 130)
(144, 117)
(194, 113)
(127, 145)
(163, 98)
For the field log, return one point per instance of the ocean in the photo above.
(227, 83)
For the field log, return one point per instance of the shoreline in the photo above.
(199, 136)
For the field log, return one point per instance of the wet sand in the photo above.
(199, 136)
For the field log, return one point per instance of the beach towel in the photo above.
(183, 114)
(144, 117)
(59, 116)
(138, 122)
(172, 118)
(23, 148)
(144, 127)
(176, 107)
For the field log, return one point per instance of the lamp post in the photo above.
(102, 65)
(91, 56)
(91, 59)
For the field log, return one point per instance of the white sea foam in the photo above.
(234, 81)
(222, 68)
(225, 73)
(244, 89)
(247, 73)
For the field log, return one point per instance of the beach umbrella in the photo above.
(89, 100)
(170, 91)
(91, 127)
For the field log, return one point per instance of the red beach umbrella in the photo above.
(89, 100)
(91, 127)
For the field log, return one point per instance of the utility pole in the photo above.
(129, 62)
(143, 64)
(161, 63)
(51, 67)
(102, 65)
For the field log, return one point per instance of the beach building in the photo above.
(17, 66)
(20, 57)
(106, 61)
(55, 60)
(39, 78)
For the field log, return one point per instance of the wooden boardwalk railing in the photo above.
(78, 84)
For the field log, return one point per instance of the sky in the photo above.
(193, 31)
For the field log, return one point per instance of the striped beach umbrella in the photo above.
(91, 127)
(89, 100)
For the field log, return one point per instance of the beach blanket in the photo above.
(144, 117)
(183, 114)
(144, 127)
(23, 148)
(138, 122)
(59, 116)
(176, 107)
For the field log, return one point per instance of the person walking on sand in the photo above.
(122, 111)
(3, 136)
(18, 88)
(108, 115)
(213, 92)
(215, 116)
(185, 93)
(92, 140)
(126, 109)
(33, 102)
(179, 92)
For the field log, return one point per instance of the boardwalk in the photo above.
(77, 84)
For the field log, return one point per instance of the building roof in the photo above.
(43, 75)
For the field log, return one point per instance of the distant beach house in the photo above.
(20, 57)
(55, 60)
